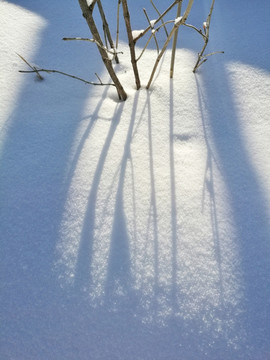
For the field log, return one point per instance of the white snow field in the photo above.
(136, 229)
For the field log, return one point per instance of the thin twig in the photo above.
(153, 31)
(118, 24)
(131, 43)
(177, 23)
(49, 71)
(196, 29)
(106, 29)
(156, 21)
(114, 53)
(213, 53)
(145, 46)
(152, 34)
(87, 12)
(159, 14)
(201, 59)
(98, 78)
(204, 57)
(34, 69)
(162, 52)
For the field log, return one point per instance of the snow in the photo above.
(152, 22)
(134, 230)
(136, 33)
(178, 20)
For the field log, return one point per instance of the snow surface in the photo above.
(136, 33)
(135, 230)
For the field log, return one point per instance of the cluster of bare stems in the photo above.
(108, 50)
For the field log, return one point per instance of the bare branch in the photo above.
(106, 29)
(131, 43)
(156, 21)
(118, 24)
(159, 14)
(98, 78)
(214, 53)
(179, 21)
(204, 57)
(114, 53)
(196, 29)
(175, 40)
(88, 15)
(34, 69)
(49, 71)
(145, 46)
(108, 50)
(153, 32)
(201, 57)
(162, 52)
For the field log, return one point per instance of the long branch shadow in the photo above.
(34, 159)
(175, 235)
(209, 187)
(153, 214)
(248, 203)
(246, 199)
(82, 280)
(246, 196)
(35, 156)
(119, 277)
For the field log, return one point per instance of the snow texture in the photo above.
(134, 230)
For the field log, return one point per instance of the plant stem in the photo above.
(107, 29)
(159, 14)
(37, 71)
(88, 15)
(176, 26)
(161, 54)
(160, 18)
(118, 24)
(175, 40)
(206, 38)
(131, 43)
(114, 53)
(149, 22)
